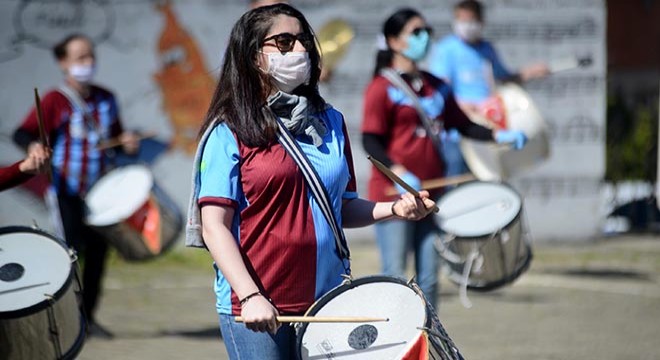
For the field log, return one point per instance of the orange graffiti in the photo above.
(184, 80)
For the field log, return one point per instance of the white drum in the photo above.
(412, 332)
(41, 315)
(483, 245)
(489, 161)
(132, 213)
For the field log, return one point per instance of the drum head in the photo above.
(377, 296)
(33, 266)
(478, 209)
(118, 194)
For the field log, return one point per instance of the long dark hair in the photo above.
(392, 28)
(243, 88)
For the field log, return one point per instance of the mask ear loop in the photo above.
(267, 70)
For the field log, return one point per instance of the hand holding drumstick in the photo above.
(412, 205)
(128, 140)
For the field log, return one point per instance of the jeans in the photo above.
(245, 344)
(396, 237)
(451, 153)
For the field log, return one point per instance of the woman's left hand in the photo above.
(410, 207)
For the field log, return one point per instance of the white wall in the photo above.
(561, 197)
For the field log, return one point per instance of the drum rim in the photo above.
(493, 182)
(348, 285)
(58, 294)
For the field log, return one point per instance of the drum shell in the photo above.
(128, 209)
(438, 349)
(495, 237)
(503, 258)
(26, 333)
(130, 242)
(29, 337)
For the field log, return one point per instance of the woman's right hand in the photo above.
(260, 315)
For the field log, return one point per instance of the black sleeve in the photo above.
(476, 131)
(23, 138)
(374, 145)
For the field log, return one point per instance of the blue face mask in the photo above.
(418, 46)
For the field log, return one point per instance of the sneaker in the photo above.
(98, 331)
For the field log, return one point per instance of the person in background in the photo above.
(78, 116)
(274, 251)
(470, 64)
(394, 133)
(36, 162)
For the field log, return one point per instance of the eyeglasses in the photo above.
(428, 29)
(285, 42)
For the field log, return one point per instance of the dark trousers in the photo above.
(89, 246)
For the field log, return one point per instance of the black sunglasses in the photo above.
(285, 42)
(417, 31)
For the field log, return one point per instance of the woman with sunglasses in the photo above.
(274, 252)
(394, 132)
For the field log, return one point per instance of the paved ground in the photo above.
(599, 300)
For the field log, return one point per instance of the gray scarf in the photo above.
(297, 116)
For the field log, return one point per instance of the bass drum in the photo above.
(41, 313)
(132, 213)
(412, 332)
(483, 242)
(493, 162)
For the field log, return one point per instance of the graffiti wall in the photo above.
(162, 59)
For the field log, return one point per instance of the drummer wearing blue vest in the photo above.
(77, 117)
(471, 65)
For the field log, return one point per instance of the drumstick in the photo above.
(439, 182)
(43, 137)
(323, 319)
(392, 176)
(569, 63)
(40, 120)
(110, 143)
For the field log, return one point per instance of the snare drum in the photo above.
(483, 245)
(41, 313)
(132, 213)
(489, 161)
(412, 332)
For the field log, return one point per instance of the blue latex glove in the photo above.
(516, 138)
(411, 180)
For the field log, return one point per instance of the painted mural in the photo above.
(184, 81)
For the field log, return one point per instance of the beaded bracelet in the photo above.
(245, 299)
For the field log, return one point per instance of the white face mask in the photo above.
(82, 73)
(469, 31)
(289, 70)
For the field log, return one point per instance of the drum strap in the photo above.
(316, 186)
(395, 79)
(78, 103)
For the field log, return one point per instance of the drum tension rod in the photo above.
(52, 325)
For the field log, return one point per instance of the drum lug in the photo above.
(348, 278)
(411, 281)
(74, 255)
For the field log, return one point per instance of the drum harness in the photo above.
(432, 132)
(318, 191)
